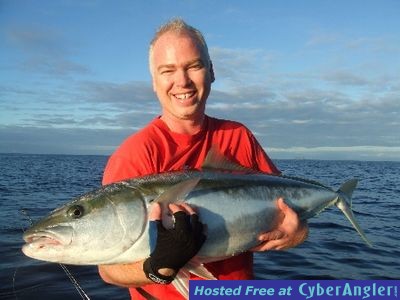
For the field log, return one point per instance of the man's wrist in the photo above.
(153, 274)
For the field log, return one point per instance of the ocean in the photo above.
(32, 185)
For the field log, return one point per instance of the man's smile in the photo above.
(184, 96)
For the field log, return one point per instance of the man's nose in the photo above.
(182, 78)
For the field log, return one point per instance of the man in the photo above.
(180, 138)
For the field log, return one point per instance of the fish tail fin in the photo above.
(347, 190)
(344, 203)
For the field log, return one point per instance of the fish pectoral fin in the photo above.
(177, 192)
(181, 281)
(197, 268)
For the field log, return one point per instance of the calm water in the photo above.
(36, 184)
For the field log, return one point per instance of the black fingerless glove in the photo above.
(174, 247)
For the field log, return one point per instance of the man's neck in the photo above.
(182, 126)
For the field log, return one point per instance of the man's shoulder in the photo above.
(226, 124)
(139, 140)
(144, 135)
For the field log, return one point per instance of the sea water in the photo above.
(32, 185)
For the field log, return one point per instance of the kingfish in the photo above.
(110, 225)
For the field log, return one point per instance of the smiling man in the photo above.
(180, 138)
(182, 75)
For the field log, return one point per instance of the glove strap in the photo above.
(154, 276)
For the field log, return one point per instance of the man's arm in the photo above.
(125, 275)
(165, 261)
(290, 232)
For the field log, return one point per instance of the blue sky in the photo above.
(312, 79)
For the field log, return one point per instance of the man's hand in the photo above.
(289, 233)
(176, 246)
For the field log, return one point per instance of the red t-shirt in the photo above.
(156, 149)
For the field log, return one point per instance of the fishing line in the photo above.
(77, 286)
(25, 213)
(13, 281)
(75, 283)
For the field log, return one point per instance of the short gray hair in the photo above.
(178, 26)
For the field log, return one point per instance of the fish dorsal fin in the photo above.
(215, 160)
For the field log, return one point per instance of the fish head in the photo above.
(92, 229)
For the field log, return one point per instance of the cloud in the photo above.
(240, 65)
(315, 118)
(322, 38)
(382, 44)
(353, 152)
(4, 89)
(123, 96)
(51, 120)
(307, 120)
(80, 104)
(43, 50)
(343, 42)
(345, 77)
(132, 119)
(325, 111)
(53, 65)
(35, 39)
(326, 105)
(129, 104)
(314, 112)
(16, 139)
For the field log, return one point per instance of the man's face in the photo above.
(182, 76)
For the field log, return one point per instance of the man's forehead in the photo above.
(171, 37)
(168, 49)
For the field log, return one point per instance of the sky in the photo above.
(312, 79)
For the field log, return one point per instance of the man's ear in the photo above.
(212, 72)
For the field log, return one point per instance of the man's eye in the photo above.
(196, 67)
(166, 72)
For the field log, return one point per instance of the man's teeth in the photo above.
(183, 96)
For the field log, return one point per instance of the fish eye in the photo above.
(75, 211)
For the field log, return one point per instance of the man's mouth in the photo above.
(184, 96)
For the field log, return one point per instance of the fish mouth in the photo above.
(49, 238)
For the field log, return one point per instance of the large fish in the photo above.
(110, 225)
